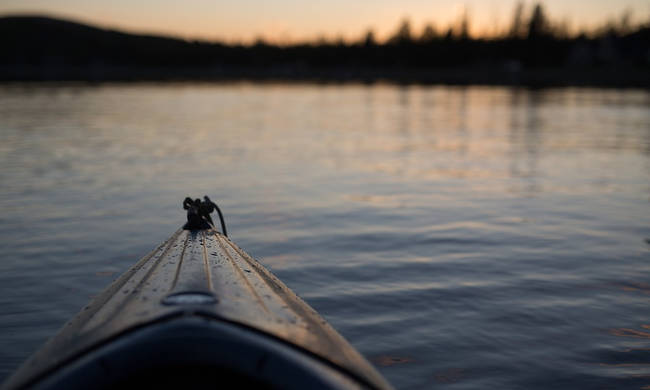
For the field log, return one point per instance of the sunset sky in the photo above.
(294, 20)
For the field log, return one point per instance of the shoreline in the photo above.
(614, 77)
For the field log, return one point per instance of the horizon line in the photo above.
(318, 38)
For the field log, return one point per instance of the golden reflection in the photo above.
(627, 332)
(393, 201)
(440, 173)
(281, 261)
(636, 287)
(385, 360)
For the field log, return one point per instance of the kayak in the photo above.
(197, 312)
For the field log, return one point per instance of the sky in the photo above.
(287, 21)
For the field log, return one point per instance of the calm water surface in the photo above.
(461, 238)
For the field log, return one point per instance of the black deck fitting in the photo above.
(198, 214)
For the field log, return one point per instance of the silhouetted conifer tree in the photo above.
(369, 39)
(538, 25)
(463, 29)
(429, 34)
(403, 34)
(517, 28)
(449, 35)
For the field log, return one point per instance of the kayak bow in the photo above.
(197, 312)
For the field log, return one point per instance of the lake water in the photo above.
(461, 238)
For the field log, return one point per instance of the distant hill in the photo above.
(37, 48)
(43, 41)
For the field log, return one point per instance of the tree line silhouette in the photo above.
(533, 50)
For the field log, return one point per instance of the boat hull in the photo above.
(201, 308)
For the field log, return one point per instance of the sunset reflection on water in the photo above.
(475, 236)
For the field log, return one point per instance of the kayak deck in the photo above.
(200, 274)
